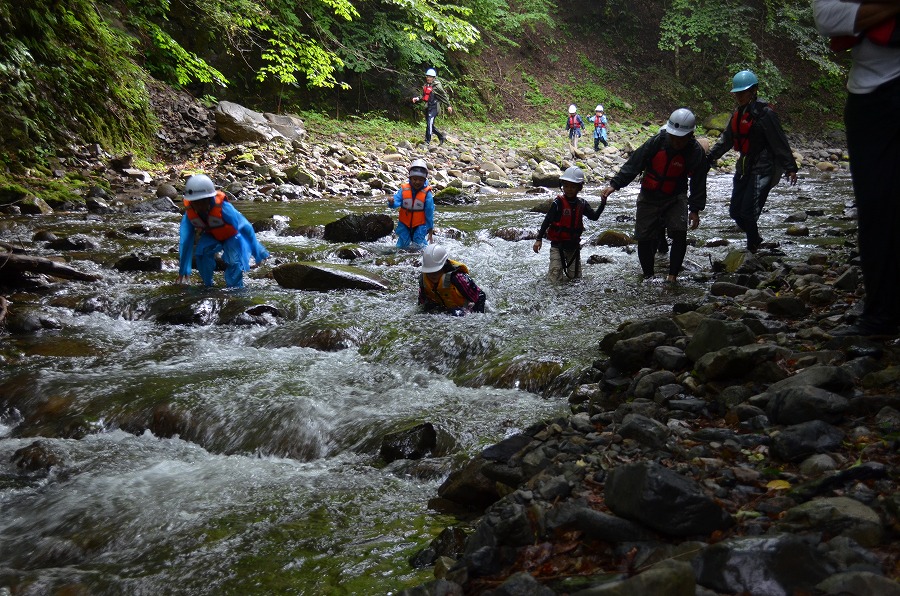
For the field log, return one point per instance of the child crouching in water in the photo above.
(563, 225)
(221, 229)
(445, 285)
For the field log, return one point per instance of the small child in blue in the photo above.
(416, 202)
(221, 228)
(574, 126)
(600, 128)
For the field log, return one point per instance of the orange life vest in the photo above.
(570, 226)
(214, 224)
(412, 209)
(664, 172)
(444, 292)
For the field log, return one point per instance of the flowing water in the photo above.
(241, 459)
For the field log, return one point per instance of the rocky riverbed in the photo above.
(734, 447)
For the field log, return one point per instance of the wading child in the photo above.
(445, 285)
(416, 202)
(217, 227)
(563, 225)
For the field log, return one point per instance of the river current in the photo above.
(273, 483)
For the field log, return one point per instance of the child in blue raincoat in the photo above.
(221, 229)
(416, 202)
(600, 128)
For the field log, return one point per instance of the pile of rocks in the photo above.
(271, 157)
(735, 447)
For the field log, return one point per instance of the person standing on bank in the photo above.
(672, 163)
(445, 285)
(600, 128)
(563, 225)
(755, 132)
(215, 226)
(415, 199)
(873, 142)
(433, 96)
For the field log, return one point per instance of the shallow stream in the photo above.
(269, 480)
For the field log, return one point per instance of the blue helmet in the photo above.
(743, 81)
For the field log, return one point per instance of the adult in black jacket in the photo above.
(672, 163)
(755, 132)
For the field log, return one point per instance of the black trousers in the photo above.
(873, 141)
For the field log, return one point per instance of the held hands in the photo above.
(537, 245)
(604, 194)
(695, 220)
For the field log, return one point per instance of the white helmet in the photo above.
(598, 109)
(681, 123)
(572, 109)
(431, 72)
(418, 167)
(433, 258)
(199, 186)
(573, 174)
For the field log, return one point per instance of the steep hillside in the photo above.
(85, 78)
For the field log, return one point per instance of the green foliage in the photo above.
(795, 22)
(179, 65)
(707, 26)
(67, 72)
(501, 22)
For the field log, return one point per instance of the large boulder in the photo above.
(326, 276)
(359, 228)
(237, 124)
(663, 500)
(546, 174)
(287, 124)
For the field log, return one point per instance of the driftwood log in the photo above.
(13, 265)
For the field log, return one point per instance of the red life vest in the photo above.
(412, 209)
(598, 122)
(741, 123)
(214, 224)
(444, 291)
(570, 225)
(885, 33)
(664, 172)
(573, 121)
(426, 92)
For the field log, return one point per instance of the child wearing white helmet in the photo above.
(564, 224)
(212, 225)
(433, 96)
(415, 200)
(574, 126)
(600, 128)
(445, 285)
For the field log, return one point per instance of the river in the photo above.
(271, 481)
